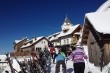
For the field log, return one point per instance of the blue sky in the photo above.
(33, 18)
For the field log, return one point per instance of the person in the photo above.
(52, 52)
(60, 60)
(69, 50)
(78, 56)
(56, 53)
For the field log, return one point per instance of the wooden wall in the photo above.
(19, 45)
(93, 50)
(106, 53)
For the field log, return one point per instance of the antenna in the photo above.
(66, 16)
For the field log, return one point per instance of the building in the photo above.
(96, 34)
(25, 46)
(69, 34)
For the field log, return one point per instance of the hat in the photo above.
(79, 46)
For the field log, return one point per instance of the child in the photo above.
(60, 59)
(78, 56)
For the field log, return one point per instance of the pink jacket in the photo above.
(78, 55)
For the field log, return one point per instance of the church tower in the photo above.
(66, 25)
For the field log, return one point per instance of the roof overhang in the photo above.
(100, 21)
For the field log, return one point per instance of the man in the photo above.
(56, 53)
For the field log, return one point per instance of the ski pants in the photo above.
(79, 67)
(58, 66)
(52, 55)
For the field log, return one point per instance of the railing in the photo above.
(20, 53)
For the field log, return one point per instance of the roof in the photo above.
(49, 37)
(100, 21)
(101, 18)
(34, 41)
(17, 41)
(104, 6)
(70, 31)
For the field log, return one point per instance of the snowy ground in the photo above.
(88, 66)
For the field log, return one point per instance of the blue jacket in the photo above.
(60, 56)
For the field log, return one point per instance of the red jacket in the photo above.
(52, 50)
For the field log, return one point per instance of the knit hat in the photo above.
(79, 46)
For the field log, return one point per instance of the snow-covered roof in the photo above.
(33, 41)
(100, 21)
(53, 35)
(68, 32)
(53, 38)
(26, 45)
(37, 38)
(17, 41)
(104, 7)
(101, 18)
(77, 33)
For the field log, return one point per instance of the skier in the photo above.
(60, 60)
(78, 56)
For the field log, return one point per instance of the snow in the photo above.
(100, 20)
(77, 33)
(26, 45)
(3, 58)
(104, 6)
(72, 28)
(33, 41)
(60, 34)
(17, 41)
(88, 66)
(69, 64)
(53, 35)
(15, 66)
(37, 38)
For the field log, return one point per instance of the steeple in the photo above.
(67, 24)
(67, 20)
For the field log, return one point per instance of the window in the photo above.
(64, 41)
(32, 49)
(44, 42)
(67, 41)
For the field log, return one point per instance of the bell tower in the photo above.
(66, 25)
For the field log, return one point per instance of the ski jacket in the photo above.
(78, 55)
(52, 50)
(60, 56)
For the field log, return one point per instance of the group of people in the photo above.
(41, 59)
(77, 55)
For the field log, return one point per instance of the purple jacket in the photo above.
(78, 55)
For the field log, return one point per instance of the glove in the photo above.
(67, 59)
